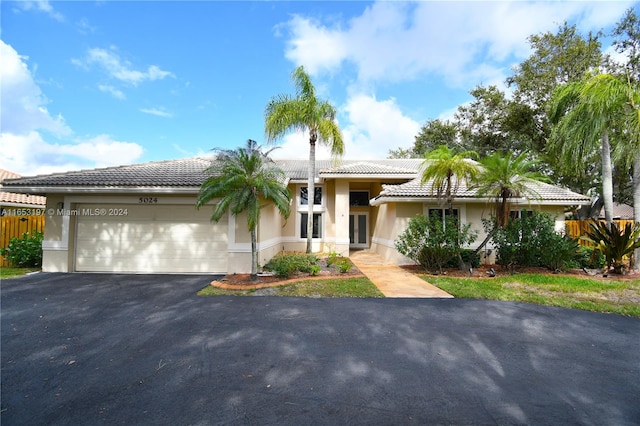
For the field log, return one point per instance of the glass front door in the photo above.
(358, 230)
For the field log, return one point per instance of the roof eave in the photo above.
(421, 199)
(367, 176)
(102, 189)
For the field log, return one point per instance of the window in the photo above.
(304, 196)
(442, 213)
(359, 198)
(517, 214)
(317, 225)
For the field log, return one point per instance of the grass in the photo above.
(338, 287)
(8, 272)
(608, 296)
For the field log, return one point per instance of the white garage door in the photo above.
(149, 238)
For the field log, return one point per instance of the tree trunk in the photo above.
(311, 190)
(607, 179)
(636, 206)
(591, 211)
(254, 254)
(486, 240)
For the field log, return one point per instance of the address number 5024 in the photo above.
(148, 200)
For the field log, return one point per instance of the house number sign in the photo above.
(148, 200)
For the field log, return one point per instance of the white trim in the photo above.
(135, 199)
(54, 246)
(7, 205)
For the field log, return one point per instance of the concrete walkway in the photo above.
(392, 280)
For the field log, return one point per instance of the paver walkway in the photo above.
(392, 280)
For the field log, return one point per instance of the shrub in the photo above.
(469, 257)
(431, 243)
(314, 270)
(331, 259)
(589, 257)
(24, 252)
(286, 264)
(615, 243)
(532, 241)
(344, 265)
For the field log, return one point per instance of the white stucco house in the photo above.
(141, 218)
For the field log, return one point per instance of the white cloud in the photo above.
(23, 105)
(315, 46)
(116, 93)
(396, 41)
(29, 154)
(41, 6)
(373, 128)
(120, 69)
(24, 120)
(159, 112)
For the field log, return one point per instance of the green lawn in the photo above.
(339, 287)
(610, 296)
(7, 272)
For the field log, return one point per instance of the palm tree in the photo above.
(305, 112)
(584, 113)
(242, 179)
(626, 153)
(504, 178)
(446, 170)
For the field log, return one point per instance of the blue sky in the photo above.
(92, 84)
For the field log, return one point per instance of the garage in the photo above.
(149, 239)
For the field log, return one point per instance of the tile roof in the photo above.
(378, 167)
(620, 211)
(172, 173)
(190, 172)
(14, 198)
(414, 189)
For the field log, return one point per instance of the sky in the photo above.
(88, 84)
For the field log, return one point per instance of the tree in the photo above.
(484, 122)
(557, 58)
(504, 178)
(446, 170)
(584, 114)
(627, 43)
(244, 178)
(305, 112)
(431, 135)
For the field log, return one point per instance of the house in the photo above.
(18, 202)
(141, 218)
(620, 212)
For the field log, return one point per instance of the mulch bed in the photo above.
(483, 271)
(244, 281)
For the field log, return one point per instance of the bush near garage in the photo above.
(24, 252)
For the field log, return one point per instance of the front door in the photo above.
(358, 230)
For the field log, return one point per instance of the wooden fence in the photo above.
(15, 227)
(578, 228)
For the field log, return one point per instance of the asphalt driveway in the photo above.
(131, 349)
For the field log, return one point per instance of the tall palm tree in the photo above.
(584, 113)
(504, 178)
(627, 150)
(447, 170)
(242, 179)
(306, 113)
